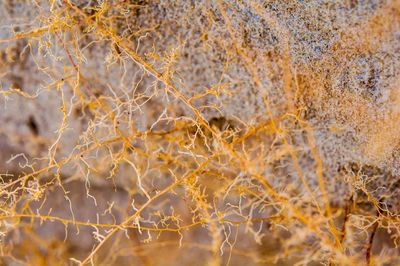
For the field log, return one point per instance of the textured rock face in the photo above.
(253, 108)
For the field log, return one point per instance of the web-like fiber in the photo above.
(212, 132)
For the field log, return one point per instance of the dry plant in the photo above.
(211, 132)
